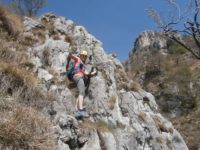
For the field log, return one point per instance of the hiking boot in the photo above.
(77, 114)
(84, 114)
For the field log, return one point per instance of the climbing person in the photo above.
(76, 72)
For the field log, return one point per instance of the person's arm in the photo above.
(93, 73)
(86, 73)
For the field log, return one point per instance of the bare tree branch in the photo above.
(190, 24)
(28, 7)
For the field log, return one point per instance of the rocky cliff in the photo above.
(122, 115)
(169, 71)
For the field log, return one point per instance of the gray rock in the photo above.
(62, 146)
(108, 140)
(30, 23)
(93, 142)
(131, 117)
(43, 74)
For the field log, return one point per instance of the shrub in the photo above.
(27, 129)
(151, 72)
(180, 75)
(167, 64)
(177, 49)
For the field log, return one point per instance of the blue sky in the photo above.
(116, 23)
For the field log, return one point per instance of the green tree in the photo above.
(180, 20)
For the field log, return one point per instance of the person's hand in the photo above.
(93, 73)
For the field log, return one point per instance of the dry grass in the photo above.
(123, 81)
(120, 75)
(132, 86)
(45, 56)
(111, 102)
(28, 40)
(5, 102)
(100, 126)
(21, 76)
(159, 140)
(189, 127)
(56, 37)
(10, 22)
(122, 85)
(19, 57)
(142, 116)
(40, 34)
(26, 128)
(69, 39)
(22, 84)
(161, 126)
(53, 72)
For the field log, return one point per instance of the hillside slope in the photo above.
(171, 73)
(37, 102)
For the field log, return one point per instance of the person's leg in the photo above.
(76, 105)
(81, 89)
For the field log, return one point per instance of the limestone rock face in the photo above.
(119, 118)
(145, 46)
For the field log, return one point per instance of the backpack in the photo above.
(73, 68)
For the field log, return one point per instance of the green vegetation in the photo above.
(180, 74)
(176, 49)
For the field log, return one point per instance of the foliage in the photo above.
(180, 74)
(176, 49)
(151, 72)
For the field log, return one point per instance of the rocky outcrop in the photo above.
(147, 43)
(159, 64)
(119, 119)
(170, 73)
